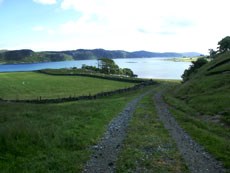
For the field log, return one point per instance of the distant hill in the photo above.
(191, 54)
(29, 56)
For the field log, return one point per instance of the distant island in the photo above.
(29, 56)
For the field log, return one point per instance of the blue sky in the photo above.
(152, 25)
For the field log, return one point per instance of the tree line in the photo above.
(223, 46)
(108, 66)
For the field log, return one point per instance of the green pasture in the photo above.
(32, 85)
(54, 137)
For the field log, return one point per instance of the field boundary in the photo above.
(100, 76)
(40, 100)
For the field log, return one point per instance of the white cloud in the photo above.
(38, 28)
(46, 2)
(166, 25)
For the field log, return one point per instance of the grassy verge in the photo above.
(209, 131)
(54, 137)
(30, 85)
(148, 146)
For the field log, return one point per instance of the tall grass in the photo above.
(54, 137)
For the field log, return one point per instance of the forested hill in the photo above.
(29, 56)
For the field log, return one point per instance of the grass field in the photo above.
(54, 137)
(148, 146)
(31, 85)
(57, 137)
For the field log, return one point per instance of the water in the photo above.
(157, 68)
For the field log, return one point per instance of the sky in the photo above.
(131, 25)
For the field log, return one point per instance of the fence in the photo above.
(40, 100)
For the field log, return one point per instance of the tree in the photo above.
(193, 68)
(108, 66)
(212, 53)
(127, 72)
(224, 44)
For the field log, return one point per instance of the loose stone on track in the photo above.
(106, 151)
(196, 158)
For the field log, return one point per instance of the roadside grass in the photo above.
(54, 137)
(148, 146)
(31, 85)
(201, 106)
(212, 132)
(210, 95)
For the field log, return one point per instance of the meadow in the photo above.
(32, 85)
(54, 137)
(57, 137)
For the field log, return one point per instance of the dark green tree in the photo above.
(108, 66)
(224, 44)
(212, 53)
(193, 68)
(127, 72)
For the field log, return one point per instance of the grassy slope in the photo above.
(54, 137)
(201, 105)
(212, 90)
(148, 146)
(30, 85)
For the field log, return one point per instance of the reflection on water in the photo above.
(131, 62)
(144, 67)
(156, 68)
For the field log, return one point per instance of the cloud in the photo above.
(141, 30)
(46, 2)
(38, 28)
(132, 14)
(44, 30)
(164, 25)
(166, 33)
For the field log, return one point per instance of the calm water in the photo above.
(156, 68)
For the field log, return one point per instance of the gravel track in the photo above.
(196, 158)
(106, 151)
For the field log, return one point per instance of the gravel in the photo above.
(106, 151)
(196, 158)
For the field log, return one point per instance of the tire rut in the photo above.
(196, 158)
(106, 151)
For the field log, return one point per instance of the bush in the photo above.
(193, 68)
